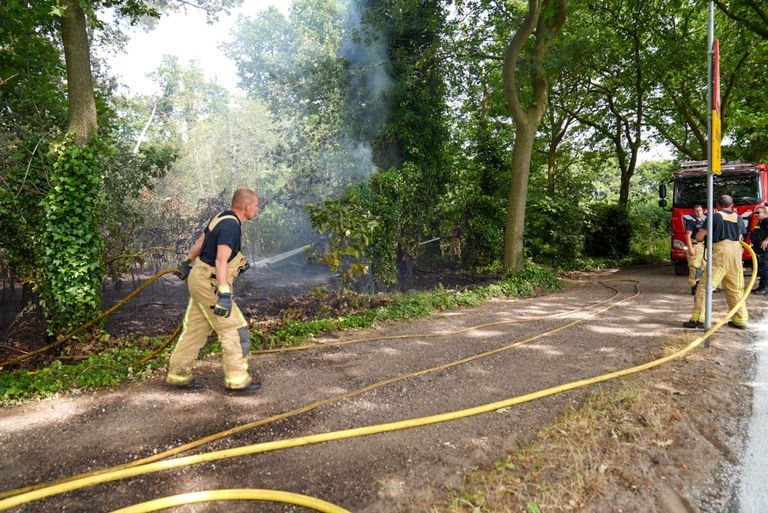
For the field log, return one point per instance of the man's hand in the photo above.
(184, 267)
(764, 244)
(223, 306)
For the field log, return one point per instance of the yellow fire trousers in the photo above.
(694, 263)
(199, 322)
(726, 269)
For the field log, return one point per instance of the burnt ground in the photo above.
(268, 296)
(408, 470)
(159, 308)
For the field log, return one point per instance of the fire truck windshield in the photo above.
(692, 190)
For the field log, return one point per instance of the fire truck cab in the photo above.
(746, 183)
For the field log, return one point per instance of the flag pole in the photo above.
(710, 180)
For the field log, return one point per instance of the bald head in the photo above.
(242, 197)
(245, 203)
(725, 201)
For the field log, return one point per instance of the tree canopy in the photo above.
(525, 122)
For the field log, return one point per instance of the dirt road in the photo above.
(403, 470)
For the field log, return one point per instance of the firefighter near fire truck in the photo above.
(695, 248)
(210, 270)
(727, 265)
(746, 183)
(759, 238)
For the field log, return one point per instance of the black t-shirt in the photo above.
(726, 230)
(759, 234)
(227, 232)
(694, 225)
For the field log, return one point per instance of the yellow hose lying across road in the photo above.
(90, 323)
(367, 430)
(236, 494)
(353, 393)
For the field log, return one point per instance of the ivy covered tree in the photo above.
(405, 93)
(63, 176)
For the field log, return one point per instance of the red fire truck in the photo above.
(746, 183)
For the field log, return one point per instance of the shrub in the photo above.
(609, 231)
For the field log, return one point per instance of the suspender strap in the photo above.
(217, 220)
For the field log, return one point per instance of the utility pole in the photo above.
(713, 149)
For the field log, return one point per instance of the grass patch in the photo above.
(573, 459)
(411, 306)
(570, 460)
(109, 361)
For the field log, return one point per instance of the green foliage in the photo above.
(477, 194)
(348, 230)
(650, 232)
(383, 196)
(414, 305)
(34, 111)
(106, 367)
(554, 230)
(71, 293)
(533, 507)
(484, 229)
(397, 104)
(650, 223)
(609, 231)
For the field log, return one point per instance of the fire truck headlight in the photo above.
(678, 244)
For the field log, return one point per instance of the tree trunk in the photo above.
(546, 17)
(525, 136)
(551, 170)
(626, 176)
(82, 103)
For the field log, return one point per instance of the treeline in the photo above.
(381, 122)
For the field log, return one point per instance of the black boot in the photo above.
(189, 385)
(252, 387)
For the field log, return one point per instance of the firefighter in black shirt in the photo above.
(695, 251)
(759, 243)
(726, 264)
(210, 270)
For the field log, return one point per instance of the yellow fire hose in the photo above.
(237, 494)
(109, 476)
(243, 427)
(156, 352)
(90, 323)
(176, 331)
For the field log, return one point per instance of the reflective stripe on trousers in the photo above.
(726, 270)
(200, 322)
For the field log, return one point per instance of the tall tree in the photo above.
(618, 80)
(677, 109)
(412, 98)
(543, 21)
(77, 55)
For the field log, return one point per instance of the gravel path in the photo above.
(59, 437)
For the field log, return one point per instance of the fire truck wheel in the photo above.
(681, 267)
